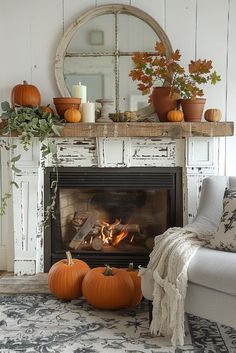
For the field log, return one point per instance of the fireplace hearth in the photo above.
(111, 215)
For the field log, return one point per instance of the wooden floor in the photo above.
(36, 284)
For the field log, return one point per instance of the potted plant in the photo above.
(177, 84)
(28, 122)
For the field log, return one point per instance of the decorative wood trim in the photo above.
(138, 129)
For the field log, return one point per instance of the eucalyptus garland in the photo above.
(28, 123)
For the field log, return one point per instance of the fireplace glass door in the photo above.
(112, 220)
(111, 215)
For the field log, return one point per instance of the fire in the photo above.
(119, 237)
(111, 234)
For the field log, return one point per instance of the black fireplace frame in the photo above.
(134, 177)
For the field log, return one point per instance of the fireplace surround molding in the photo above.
(198, 157)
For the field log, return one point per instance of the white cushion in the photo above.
(214, 269)
(210, 206)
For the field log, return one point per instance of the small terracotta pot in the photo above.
(162, 102)
(64, 103)
(193, 109)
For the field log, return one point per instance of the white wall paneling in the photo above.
(29, 47)
(74, 8)
(182, 33)
(155, 8)
(231, 89)
(212, 43)
(104, 2)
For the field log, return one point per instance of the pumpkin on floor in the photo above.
(137, 297)
(65, 277)
(108, 288)
(72, 115)
(25, 95)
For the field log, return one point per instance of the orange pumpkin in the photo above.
(47, 109)
(108, 288)
(72, 115)
(137, 297)
(25, 95)
(175, 115)
(65, 277)
(212, 115)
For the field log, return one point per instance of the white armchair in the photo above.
(211, 292)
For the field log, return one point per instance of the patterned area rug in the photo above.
(41, 323)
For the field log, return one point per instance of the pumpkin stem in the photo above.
(108, 271)
(69, 258)
(131, 267)
(25, 82)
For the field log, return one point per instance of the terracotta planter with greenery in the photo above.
(162, 102)
(193, 109)
(151, 70)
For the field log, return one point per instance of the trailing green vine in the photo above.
(28, 123)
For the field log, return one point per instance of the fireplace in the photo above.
(111, 215)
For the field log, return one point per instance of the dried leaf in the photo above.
(176, 55)
(160, 48)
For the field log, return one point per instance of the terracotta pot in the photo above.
(162, 102)
(193, 109)
(64, 103)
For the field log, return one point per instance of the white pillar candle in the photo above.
(80, 91)
(88, 112)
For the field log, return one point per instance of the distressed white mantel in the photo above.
(198, 158)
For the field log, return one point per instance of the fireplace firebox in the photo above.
(111, 215)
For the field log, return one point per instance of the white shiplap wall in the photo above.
(30, 31)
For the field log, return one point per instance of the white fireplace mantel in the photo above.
(197, 156)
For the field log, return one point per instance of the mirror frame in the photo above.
(89, 15)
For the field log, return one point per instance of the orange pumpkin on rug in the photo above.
(108, 288)
(65, 277)
(137, 297)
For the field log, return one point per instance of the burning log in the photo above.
(84, 231)
(97, 244)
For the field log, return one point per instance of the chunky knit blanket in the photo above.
(169, 262)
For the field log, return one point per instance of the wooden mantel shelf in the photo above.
(145, 129)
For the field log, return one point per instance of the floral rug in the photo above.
(41, 323)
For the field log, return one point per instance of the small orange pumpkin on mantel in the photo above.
(65, 277)
(25, 95)
(47, 109)
(72, 115)
(175, 115)
(213, 115)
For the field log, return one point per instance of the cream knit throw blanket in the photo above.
(169, 262)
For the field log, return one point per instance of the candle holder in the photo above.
(106, 108)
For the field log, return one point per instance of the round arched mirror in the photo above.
(96, 50)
